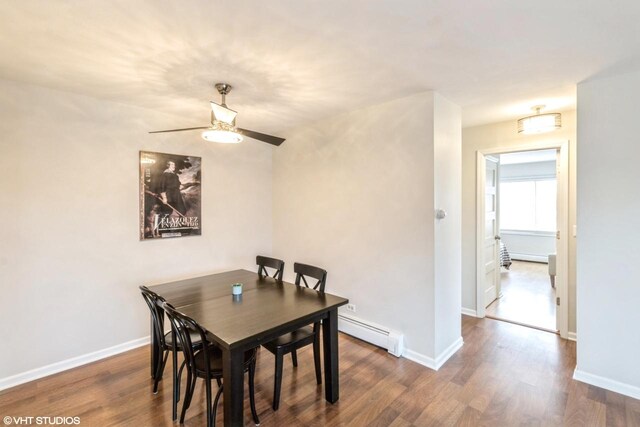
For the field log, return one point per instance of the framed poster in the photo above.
(170, 196)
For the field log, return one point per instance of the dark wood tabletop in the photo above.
(188, 291)
(261, 313)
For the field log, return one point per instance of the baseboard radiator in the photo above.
(377, 335)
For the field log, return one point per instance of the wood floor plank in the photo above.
(470, 417)
(444, 409)
(504, 375)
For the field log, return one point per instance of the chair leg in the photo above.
(207, 386)
(252, 395)
(176, 387)
(219, 381)
(277, 380)
(316, 358)
(294, 358)
(215, 406)
(159, 372)
(184, 363)
(176, 397)
(191, 384)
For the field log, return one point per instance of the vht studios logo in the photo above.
(49, 421)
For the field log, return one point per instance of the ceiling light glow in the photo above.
(223, 133)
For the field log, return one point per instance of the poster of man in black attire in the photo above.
(170, 196)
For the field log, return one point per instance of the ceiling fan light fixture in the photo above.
(223, 124)
(223, 133)
(539, 123)
(222, 136)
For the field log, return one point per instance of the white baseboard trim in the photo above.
(430, 362)
(450, 351)
(469, 312)
(606, 383)
(74, 362)
(420, 358)
(572, 336)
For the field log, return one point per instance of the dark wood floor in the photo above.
(505, 375)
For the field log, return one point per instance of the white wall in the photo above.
(70, 258)
(447, 188)
(356, 195)
(505, 135)
(608, 223)
(529, 246)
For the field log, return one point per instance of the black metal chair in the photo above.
(166, 343)
(276, 264)
(291, 342)
(206, 363)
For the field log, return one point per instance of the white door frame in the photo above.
(562, 243)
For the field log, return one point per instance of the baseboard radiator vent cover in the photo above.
(392, 341)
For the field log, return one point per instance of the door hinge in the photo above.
(557, 234)
(557, 300)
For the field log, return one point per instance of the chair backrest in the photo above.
(182, 326)
(154, 301)
(303, 271)
(277, 264)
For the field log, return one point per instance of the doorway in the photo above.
(526, 208)
(522, 208)
(527, 298)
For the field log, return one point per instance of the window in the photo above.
(528, 205)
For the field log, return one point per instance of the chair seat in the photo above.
(195, 340)
(300, 335)
(215, 361)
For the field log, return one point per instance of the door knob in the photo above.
(498, 237)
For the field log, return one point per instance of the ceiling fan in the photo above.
(223, 124)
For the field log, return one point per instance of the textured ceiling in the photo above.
(295, 61)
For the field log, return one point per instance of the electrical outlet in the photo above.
(351, 308)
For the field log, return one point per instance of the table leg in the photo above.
(233, 386)
(156, 351)
(330, 347)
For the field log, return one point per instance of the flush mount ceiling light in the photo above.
(539, 123)
(223, 124)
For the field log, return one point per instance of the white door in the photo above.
(491, 236)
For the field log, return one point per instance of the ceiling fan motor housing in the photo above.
(223, 88)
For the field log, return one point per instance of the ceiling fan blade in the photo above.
(179, 130)
(269, 139)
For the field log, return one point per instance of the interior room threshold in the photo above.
(526, 325)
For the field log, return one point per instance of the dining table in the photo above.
(266, 309)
